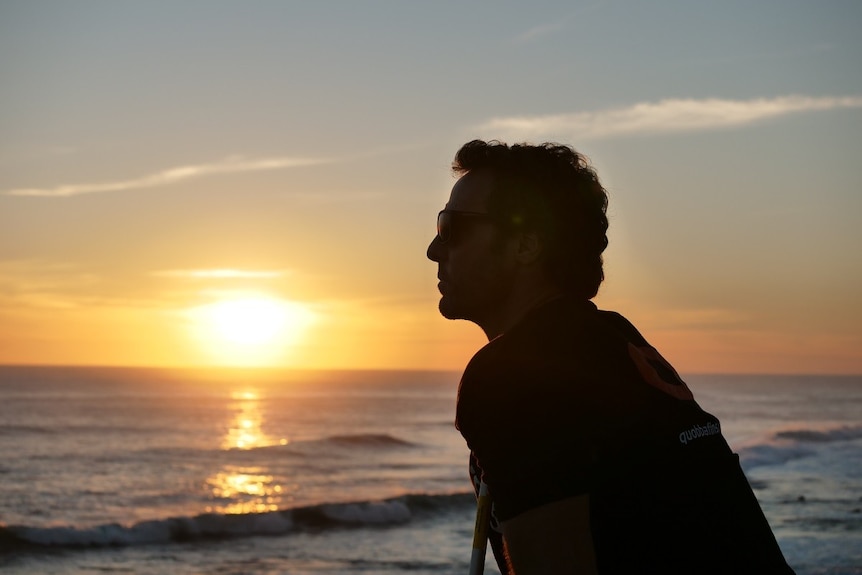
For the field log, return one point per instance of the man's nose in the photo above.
(433, 252)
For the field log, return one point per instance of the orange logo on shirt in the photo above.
(657, 372)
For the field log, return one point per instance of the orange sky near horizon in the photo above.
(216, 184)
(365, 335)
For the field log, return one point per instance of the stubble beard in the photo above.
(452, 307)
(479, 310)
(449, 309)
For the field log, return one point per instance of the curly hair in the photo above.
(549, 189)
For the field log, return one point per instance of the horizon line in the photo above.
(210, 367)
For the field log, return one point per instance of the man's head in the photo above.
(541, 201)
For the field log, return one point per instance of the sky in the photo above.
(205, 182)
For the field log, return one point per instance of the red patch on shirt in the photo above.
(657, 372)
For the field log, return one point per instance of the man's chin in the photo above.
(450, 310)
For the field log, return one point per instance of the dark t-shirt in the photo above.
(572, 401)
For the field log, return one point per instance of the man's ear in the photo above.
(529, 248)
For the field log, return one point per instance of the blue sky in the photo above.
(305, 146)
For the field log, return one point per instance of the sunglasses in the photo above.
(445, 221)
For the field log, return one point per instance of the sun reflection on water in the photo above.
(246, 429)
(246, 489)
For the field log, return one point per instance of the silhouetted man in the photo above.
(594, 451)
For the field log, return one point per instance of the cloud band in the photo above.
(664, 116)
(170, 176)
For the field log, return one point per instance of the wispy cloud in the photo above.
(221, 273)
(27, 284)
(561, 22)
(538, 32)
(664, 116)
(171, 175)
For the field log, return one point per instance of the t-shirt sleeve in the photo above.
(534, 443)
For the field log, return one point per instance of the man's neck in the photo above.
(520, 305)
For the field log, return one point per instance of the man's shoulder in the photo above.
(568, 318)
(567, 328)
(562, 339)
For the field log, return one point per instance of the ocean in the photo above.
(258, 472)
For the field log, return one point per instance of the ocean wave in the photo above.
(789, 444)
(392, 511)
(368, 439)
(54, 429)
(305, 447)
(22, 429)
(762, 455)
(842, 433)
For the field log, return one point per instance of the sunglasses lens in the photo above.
(444, 226)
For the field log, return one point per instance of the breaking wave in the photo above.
(392, 511)
(381, 440)
(790, 444)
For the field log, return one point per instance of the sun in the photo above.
(250, 329)
(250, 321)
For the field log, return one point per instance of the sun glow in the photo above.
(250, 330)
(249, 321)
